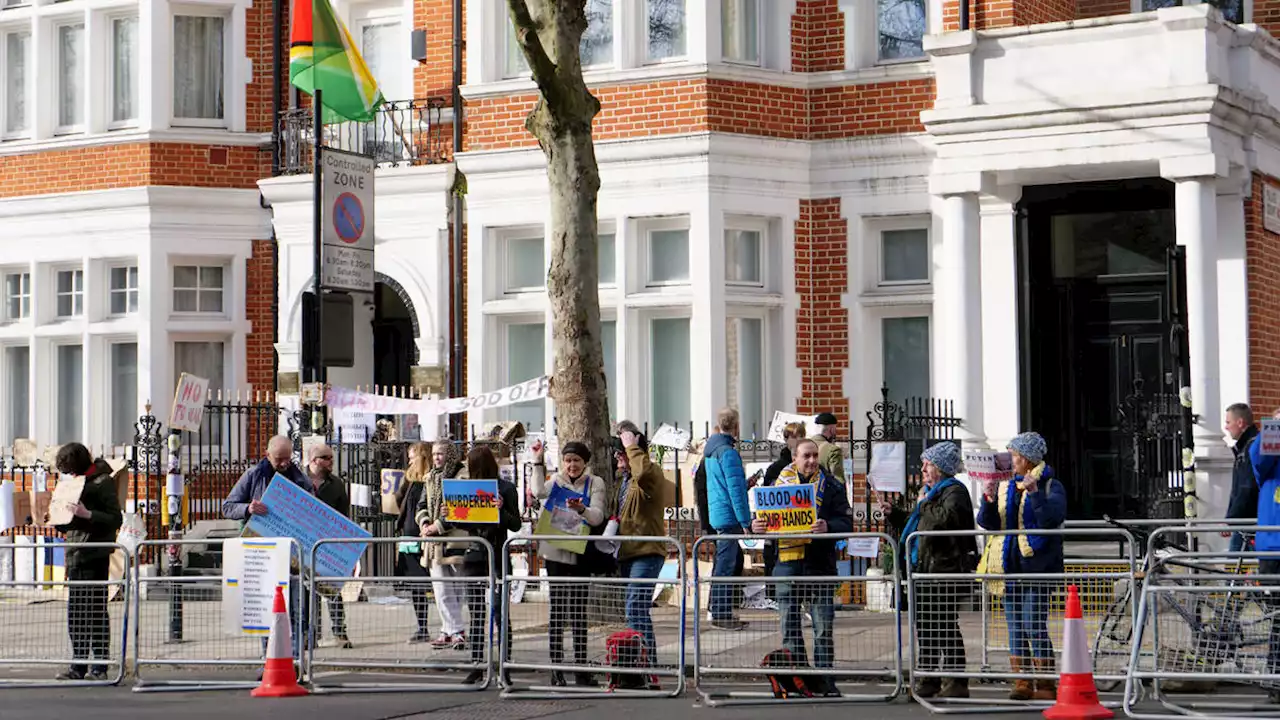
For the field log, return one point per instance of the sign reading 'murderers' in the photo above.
(347, 227)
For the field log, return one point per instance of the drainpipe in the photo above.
(455, 364)
(964, 14)
(277, 37)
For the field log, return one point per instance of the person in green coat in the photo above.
(830, 456)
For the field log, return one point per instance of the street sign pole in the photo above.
(312, 338)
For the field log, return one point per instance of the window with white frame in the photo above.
(525, 265)
(665, 30)
(206, 359)
(17, 296)
(124, 290)
(124, 392)
(514, 63)
(1232, 10)
(744, 355)
(17, 387)
(595, 49)
(15, 69)
(71, 53)
(743, 256)
(901, 26)
(607, 259)
(198, 289)
(904, 343)
(667, 253)
(70, 293)
(199, 68)
(381, 35)
(904, 256)
(670, 380)
(740, 31)
(124, 75)
(70, 393)
(525, 354)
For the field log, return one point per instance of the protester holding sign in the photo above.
(96, 519)
(573, 501)
(1266, 466)
(1033, 500)
(332, 491)
(640, 514)
(813, 558)
(730, 514)
(409, 554)
(442, 559)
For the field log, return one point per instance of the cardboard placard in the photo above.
(65, 499)
(188, 403)
(391, 480)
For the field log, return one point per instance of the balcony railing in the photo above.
(402, 132)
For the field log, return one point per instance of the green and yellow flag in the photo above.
(322, 56)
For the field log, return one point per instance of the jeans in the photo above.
(1026, 611)
(88, 623)
(1240, 542)
(938, 625)
(728, 563)
(640, 599)
(820, 597)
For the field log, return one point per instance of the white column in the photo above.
(1196, 215)
(1233, 296)
(957, 335)
(999, 291)
(707, 324)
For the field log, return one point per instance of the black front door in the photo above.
(1094, 329)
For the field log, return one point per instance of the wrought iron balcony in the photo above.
(403, 132)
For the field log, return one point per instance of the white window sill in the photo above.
(882, 298)
(756, 299)
(194, 136)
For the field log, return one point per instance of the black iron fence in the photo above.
(402, 132)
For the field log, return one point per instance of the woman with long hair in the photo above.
(409, 555)
(441, 560)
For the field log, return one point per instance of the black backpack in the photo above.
(785, 686)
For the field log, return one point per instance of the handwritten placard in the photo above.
(985, 466)
(471, 501)
(1270, 437)
(888, 471)
(188, 403)
(864, 547)
(295, 513)
(670, 436)
(785, 508)
(65, 500)
(781, 420)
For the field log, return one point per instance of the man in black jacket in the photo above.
(97, 520)
(811, 558)
(332, 491)
(1244, 486)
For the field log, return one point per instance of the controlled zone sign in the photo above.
(346, 229)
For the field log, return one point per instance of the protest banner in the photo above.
(1270, 437)
(781, 420)
(391, 480)
(670, 436)
(471, 501)
(985, 466)
(251, 572)
(188, 403)
(295, 513)
(535, 389)
(785, 508)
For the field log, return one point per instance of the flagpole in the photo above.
(317, 216)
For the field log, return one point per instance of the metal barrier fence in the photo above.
(591, 610)
(79, 622)
(369, 637)
(1022, 650)
(1207, 620)
(865, 644)
(180, 625)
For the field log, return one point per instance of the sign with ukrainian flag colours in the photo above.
(785, 508)
(471, 501)
(323, 56)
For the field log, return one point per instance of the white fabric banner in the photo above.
(346, 399)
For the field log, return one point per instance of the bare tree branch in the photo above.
(540, 64)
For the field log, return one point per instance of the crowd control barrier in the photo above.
(984, 627)
(586, 616)
(1207, 621)
(53, 623)
(184, 638)
(862, 644)
(367, 640)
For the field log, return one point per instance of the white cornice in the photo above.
(212, 213)
(191, 136)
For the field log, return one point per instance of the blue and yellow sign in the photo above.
(785, 508)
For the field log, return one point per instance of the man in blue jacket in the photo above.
(1267, 469)
(730, 513)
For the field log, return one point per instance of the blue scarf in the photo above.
(914, 520)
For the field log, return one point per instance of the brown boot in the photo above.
(954, 688)
(1045, 689)
(1023, 689)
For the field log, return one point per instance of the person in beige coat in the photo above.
(442, 559)
(587, 495)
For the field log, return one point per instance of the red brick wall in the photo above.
(206, 166)
(1102, 8)
(1267, 14)
(987, 14)
(133, 165)
(434, 78)
(822, 325)
(260, 345)
(817, 36)
(1262, 262)
(258, 36)
(872, 109)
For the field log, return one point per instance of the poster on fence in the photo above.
(988, 466)
(295, 513)
(785, 508)
(1270, 437)
(252, 569)
(888, 472)
(391, 480)
(471, 501)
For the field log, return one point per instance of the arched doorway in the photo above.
(395, 330)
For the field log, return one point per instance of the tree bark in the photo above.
(549, 33)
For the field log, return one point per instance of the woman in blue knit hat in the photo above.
(1033, 500)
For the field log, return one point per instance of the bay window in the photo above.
(199, 71)
(668, 256)
(740, 31)
(901, 26)
(743, 257)
(70, 393)
(905, 348)
(17, 387)
(665, 29)
(70, 294)
(197, 289)
(205, 359)
(596, 47)
(124, 70)
(124, 290)
(124, 392)
(744, 353)
(17, 296)
(669, 367)
(71, 70)
(526, 360)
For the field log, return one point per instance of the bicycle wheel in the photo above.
(1112, 644)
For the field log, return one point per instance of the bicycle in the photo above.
(1218, 626)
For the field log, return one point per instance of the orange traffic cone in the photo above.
(278, 677)
(1077, 695)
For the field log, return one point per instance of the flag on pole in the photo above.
(323, 56)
